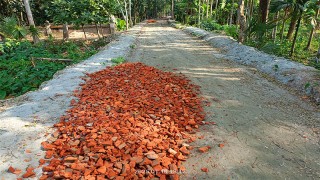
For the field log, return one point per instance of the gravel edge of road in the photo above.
(303, 79)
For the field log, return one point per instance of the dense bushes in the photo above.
(211, 25)
(19, 75)
(267, 44)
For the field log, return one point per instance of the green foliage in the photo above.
(9, 28)
(307, 85)
(132, 46)
(34, 31)
(19, 75)
(282, 48)
(231, 30)
(210, 25)
(121, 24)
(3, 94)
(258, 30)
(8, 46)
(81, 12)
(11, 8)
(118, 60)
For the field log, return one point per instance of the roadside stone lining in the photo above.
(304, 79)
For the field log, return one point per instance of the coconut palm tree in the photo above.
(312, 17)
(296, 8)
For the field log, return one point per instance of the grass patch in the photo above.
(118, 60)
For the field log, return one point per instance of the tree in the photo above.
(275, 29)
(172, 9)
(211, 4)
(295, 36)
(130, 18)
(231, 13)
(242, 22)
(207, 11)
(299, 12)
(264, 10)
(293, 23)
(312, 17)
(126, 11)
(35, 37)
(284, 23)
(199, 13)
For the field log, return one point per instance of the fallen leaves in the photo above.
(127, 119)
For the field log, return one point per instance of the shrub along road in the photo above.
(262, 131)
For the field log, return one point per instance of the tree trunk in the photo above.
(101, 29)
(251, 9)
(295, 36)
(130, 18)
(172, 9)
(65, 32)
(123, 15)
(283, 24)
(135, 15)
(202, 10)
(293, 24)
(98, 32)
(84, 32)
(248, 14)
(310, 39)
(30, 19)
(242, 22)
(20, 18)
(211, 4)
(274, 31)
(231, 14)
(264, 10)
(216, 9)
(207, 13)
(126, 10)
(199, 13)
(312, 32)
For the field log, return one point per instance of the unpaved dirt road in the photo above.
(267, 132)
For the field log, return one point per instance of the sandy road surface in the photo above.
(267, 132)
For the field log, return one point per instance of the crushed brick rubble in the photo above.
(130, 121)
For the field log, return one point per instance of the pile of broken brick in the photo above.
(130, 121)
